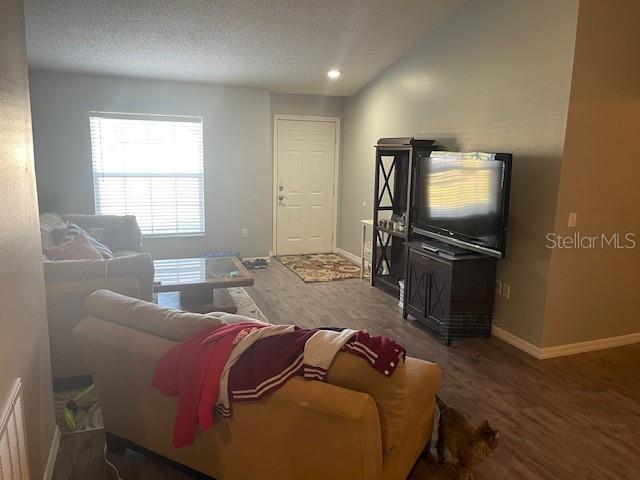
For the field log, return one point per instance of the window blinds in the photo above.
(151, 167)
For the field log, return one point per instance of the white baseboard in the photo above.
(542, 353)
(354, 258)
(53, 455)
(516, 341)
(590, 345)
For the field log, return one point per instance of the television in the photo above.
(462, 199)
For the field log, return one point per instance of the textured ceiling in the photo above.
(282, 45)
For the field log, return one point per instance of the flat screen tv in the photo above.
(463, 199)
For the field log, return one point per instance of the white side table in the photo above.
(365, 224)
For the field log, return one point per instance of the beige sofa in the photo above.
(69, 282)
(359, 425)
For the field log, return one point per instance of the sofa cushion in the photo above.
(390, 393)
(119, 232)
(139, 266)
(148, 317)
(97, 233)
(77, 248)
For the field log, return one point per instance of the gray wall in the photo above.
(236, 142)
(238, 148)
(307, 105)
(24, 335)
(495, 77)
(590, 290)
(311, 105)
(237, 157)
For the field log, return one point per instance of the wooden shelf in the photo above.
(392, 193)
(402, 235)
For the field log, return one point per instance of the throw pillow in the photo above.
(71, 230)
(96, 241)
(78, 248)
(59, 232)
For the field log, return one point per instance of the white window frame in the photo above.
(153, 117)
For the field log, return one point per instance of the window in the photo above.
(149, 166)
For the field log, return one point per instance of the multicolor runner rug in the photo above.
(320, 267)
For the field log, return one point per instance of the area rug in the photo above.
(89, 414)
(246, 305)
(320, 267)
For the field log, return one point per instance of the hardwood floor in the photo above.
(574, 417)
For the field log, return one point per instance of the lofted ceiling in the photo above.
(281, 45)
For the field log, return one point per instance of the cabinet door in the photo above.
(417, 286)
(439, 288)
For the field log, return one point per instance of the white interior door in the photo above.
(305, 156)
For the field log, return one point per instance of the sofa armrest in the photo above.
(301, 426)
(56, 271)
(139, 266)
(121, 232)
(306, 429)
(174, 325)
(65, 310)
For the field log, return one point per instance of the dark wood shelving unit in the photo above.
(451, 292)
(395, 160)
(452, 295)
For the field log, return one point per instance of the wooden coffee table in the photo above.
(200, 283)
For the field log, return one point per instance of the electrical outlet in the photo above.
(573, 217)
(364, 203)
(498, 287)
(506, 290)
(244, 233)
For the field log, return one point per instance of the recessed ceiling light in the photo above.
(334, 73)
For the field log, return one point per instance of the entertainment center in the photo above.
(439, 225)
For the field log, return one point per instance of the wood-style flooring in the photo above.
(574, 417)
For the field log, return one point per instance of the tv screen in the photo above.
(462, 198)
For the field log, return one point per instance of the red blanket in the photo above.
(192, 370)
